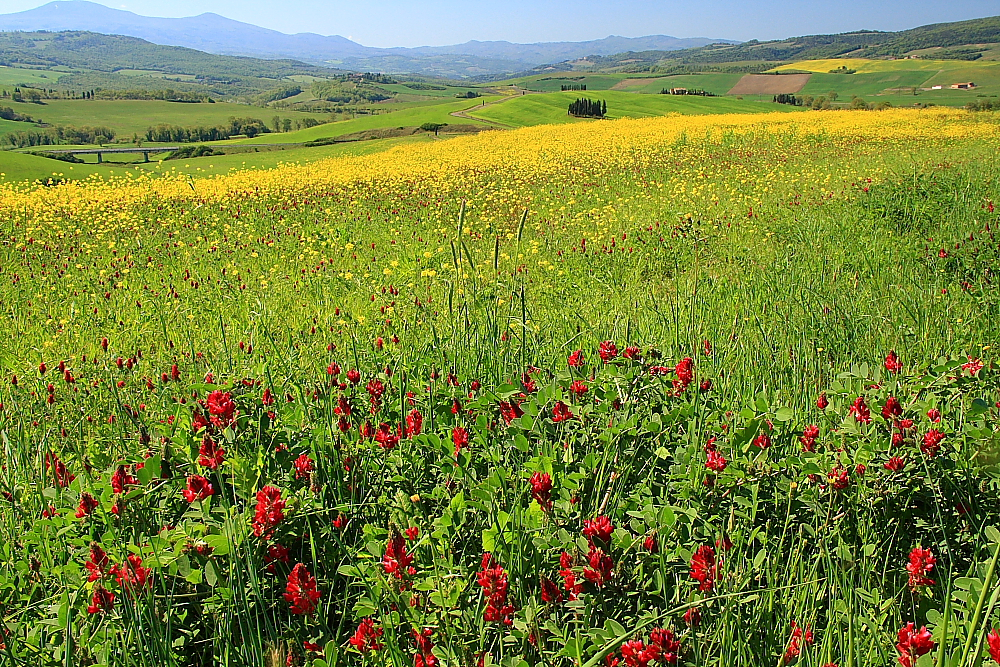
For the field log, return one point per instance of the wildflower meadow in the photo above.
(677, 391)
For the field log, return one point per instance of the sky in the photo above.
(386, 23)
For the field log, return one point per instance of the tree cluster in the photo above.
(585, 108)
(249, 127)
(52, 136)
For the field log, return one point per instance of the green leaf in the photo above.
(784, 414)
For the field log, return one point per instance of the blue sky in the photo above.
(433, 22)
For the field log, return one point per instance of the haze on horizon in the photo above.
(389, 23)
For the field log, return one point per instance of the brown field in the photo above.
(626, 84)
(770, 84)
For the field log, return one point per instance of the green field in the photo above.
(128, 117)
(551, 107)
(552, 82)
(23, 167)
(524, 398)
(719, 84)
(14, 76)
(410, 116)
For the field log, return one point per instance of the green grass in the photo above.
(863, 85)
(13, 76)
(24, 167)
(429, 282)
(552, 82)
(551, 107)
(128, 117)
(411, 116)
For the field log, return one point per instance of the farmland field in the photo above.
(551, 108)
(713, 389)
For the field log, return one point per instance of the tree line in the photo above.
(573, 86)
(63, 134)
(585, 108)
(249, 127)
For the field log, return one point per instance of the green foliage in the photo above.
(62, 134)
(244, 127)
(349, 92)
(586, 108)
(192, 151)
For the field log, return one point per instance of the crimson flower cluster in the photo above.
(493, 580)
(301, 591)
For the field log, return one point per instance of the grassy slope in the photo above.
(21, 166)
(713, 83)
(551, 108)
(135, 116)
(13, 76)
(408, 117)
(863, 84)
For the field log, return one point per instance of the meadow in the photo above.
(701, 390)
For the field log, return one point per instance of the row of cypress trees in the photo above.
(588, 108)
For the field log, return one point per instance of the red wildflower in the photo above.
(607, 351)
(932, 442)
(569, 577)
(634, 653)
(892, 362)
(912, 644)
(763, 441)
(550, 592)
(59, 471)
(892, 409)
(97, 564)
(412, 533)
(651, 544)
(685, 374)
(704, 568)
(366, 638)
(304, 466)
(632, 353)
(561, 412)
(88, 504)
(895, 464)
(510, 411)
(601, 528)
(973, 366)
(578, 388)
(663, 647)
(396, 561)
(993, 642)
(799, 636)
(716, 461)
(276, 553)
(221, 408)
(692, 617)
(425, 648)
(460, 437)
(102, 602)
(921, 564)
(934, 415)
(269, 512)
(575, 359)
(414, 423)
(210, 455)
(131, 575)
(601, 565)
(840, 477)
(493, 580)
(541, 489)
(198, 488)
(809, 436)
(301, 592)
(385, 437)
(706, 348)
(860, 410)
(122, 479)
(822, 402)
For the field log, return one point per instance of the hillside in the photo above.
(963, 40)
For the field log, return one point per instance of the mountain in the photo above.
(220, 35)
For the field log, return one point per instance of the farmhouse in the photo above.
(963, 86)
(678, 91)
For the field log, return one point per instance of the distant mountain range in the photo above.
(217, 34)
